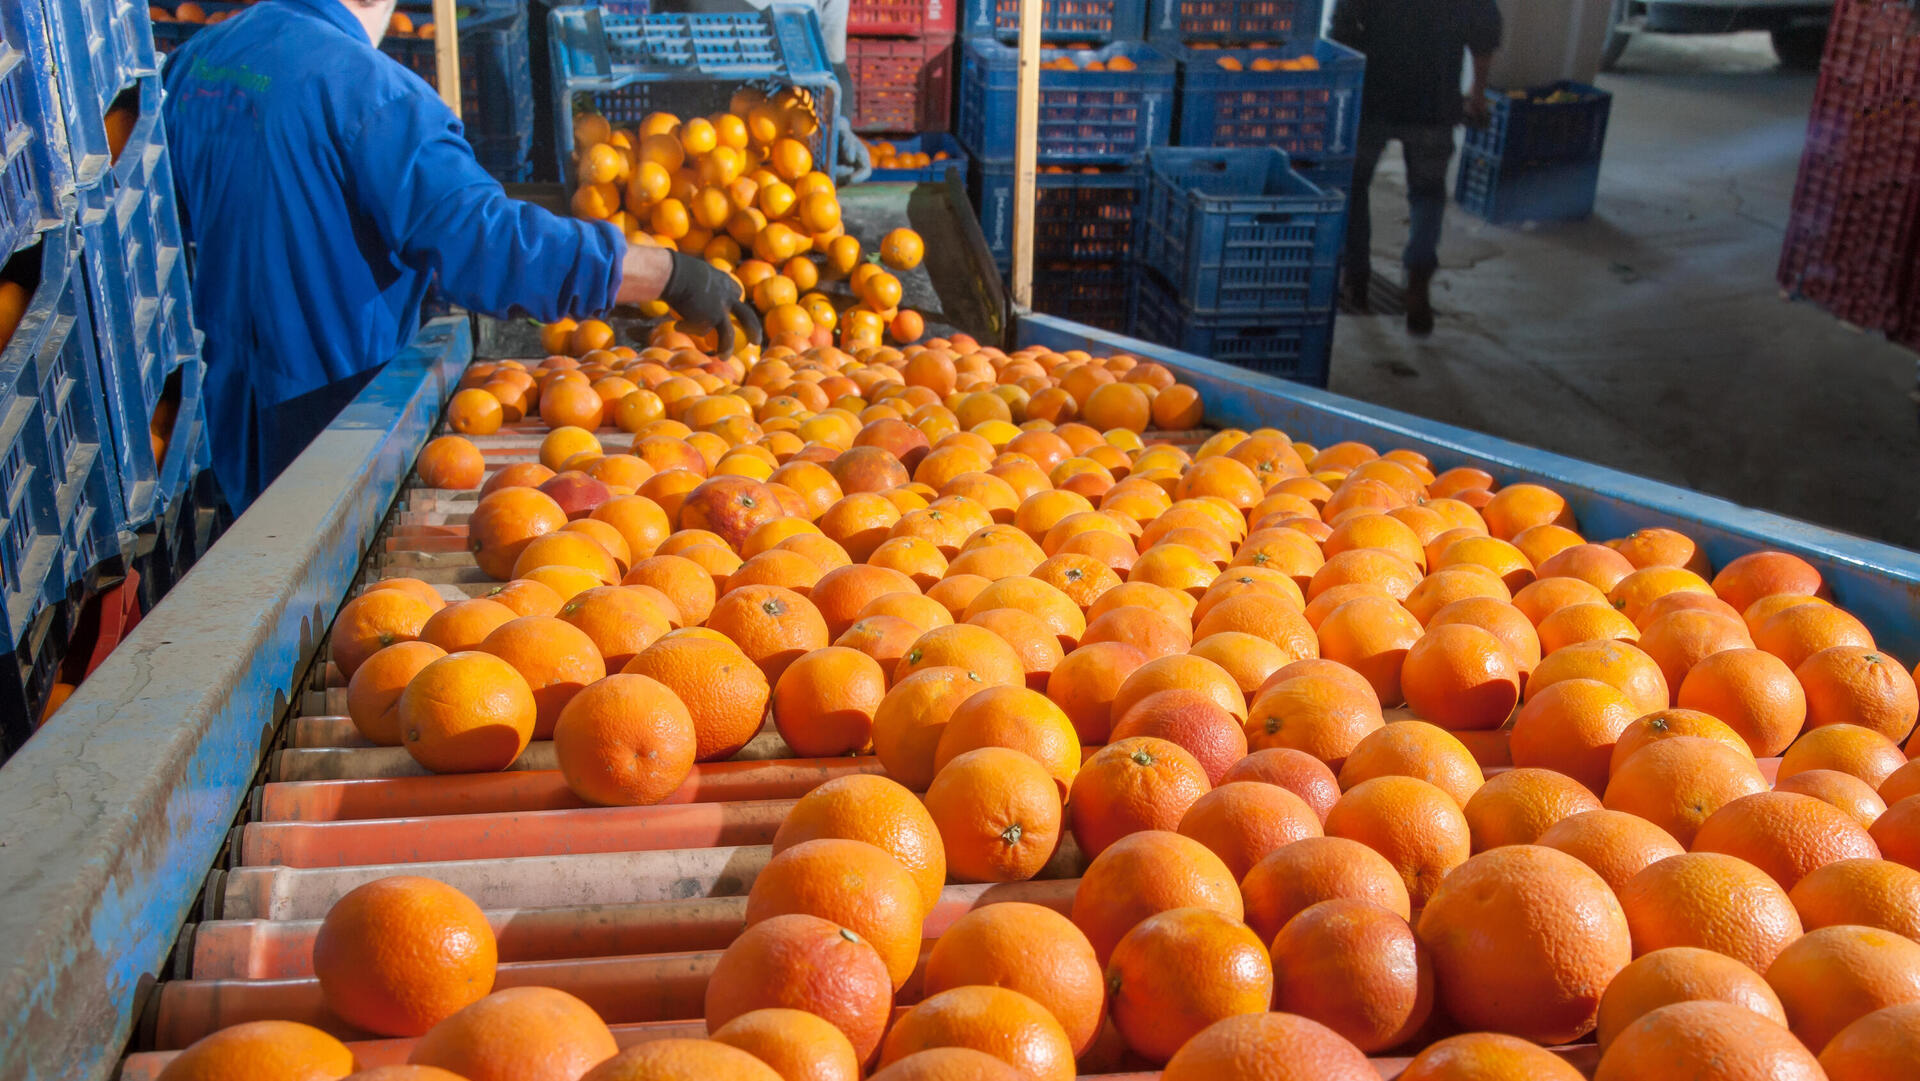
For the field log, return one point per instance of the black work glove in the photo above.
(705, 297)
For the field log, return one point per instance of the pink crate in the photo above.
(901, 18)
(901, 84)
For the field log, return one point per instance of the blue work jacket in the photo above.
(325, 186)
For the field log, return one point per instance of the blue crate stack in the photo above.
(496, 73)
(1246, 211)
(100, 417)
(1538, 158)
(1096, 125)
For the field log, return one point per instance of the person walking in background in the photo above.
(1414, 51)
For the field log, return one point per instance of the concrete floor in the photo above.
(1652, 337)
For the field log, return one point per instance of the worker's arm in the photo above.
(1484, 30)
(702, 295)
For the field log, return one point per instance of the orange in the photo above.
(725, 695)
(948, 1064)
(466, 713)
(1880, 1045)
(1862, 892)
(853, 883)
(1317, 706)
(804, 962)
(1268, 1047)
(1178, 971)
(883, 637)
(1001, 1022)
(841, 594)
(528, 597)
(823, 702)
(1794, 634)
(1687, 600)
(799, 1046)
(999, 814)
(1713, 901)
(373, 695)
(412, 587)
(1682, 974)
(978, 650)
(1571, 727)
(1518, 507)
(1418, 827)
(1194, 720)
(1265, 615)
(678, 1059)
(1145, 873)
(1849, 748)
(1033, 641)
(908, 723)
(505, 522)
(1586, 622)
(1157, 633)
(1548, 594)
(877, 811)
(450, 462)
(473, 411)
(1304, 873)
(258, 1049)
(1444, 587)
(1853, 796)
(1026, 948)
(1242, 822)
(1706, 1039)
(1084, 683)
(1785, 834)
(1616, 845)
(772, 625)
(555, 658)
(519, 1034)
(1248, 659)
(1681, 639)
(1669, 724)
(1637, 675)
(1752, 692)
(1516, 807)
(401, 954)
(1356, 968)
(1488, 1056)
(620, 621)
(1371, 635)
(1524, 939)
(1461, 678)
(1018, 719)
(403, 1073)
(1677, 783)
(1850, 685)
(1831, 977)
(1131, 785)
(1415, 749)
(373, 621)
(625, 740)
(1764, 574)
(569, 549)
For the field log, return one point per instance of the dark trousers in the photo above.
(1428, 149)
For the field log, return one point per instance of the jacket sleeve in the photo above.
(414, 179)
(1484, 27)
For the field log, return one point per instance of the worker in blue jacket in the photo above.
(325, 186)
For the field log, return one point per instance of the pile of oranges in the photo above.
(888, 156)
(1329, 754)
(741, 190)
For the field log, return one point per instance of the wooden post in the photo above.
(446, 53)
(1026, 152)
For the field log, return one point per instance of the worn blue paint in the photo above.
(111, 816)
(1876, 582)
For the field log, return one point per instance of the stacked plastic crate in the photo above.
(1106, 97)
(1256, 73)
(1853, 241)
(900, 56)
(496, 79)
(1239, 260)
(1538, 158)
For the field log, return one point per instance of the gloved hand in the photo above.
(852, 161)
(705, 297)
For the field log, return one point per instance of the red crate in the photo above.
(901, 18)
(901, 84)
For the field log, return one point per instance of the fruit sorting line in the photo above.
(109, 825)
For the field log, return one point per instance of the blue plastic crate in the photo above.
(1096, 294)
(1295, 346)
(496, 79)
(1085, 116)
(105, 46)
(1062, 22)
(1240, 231)
(1311, 114)
(56, 496)
(1234, 22)
(1078, 218)
(627, 66)
(933, 142)
(141, 301)
(1331, 173)
(1531, 128)
(1503, 192)
(187, 453)
(36, 178)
